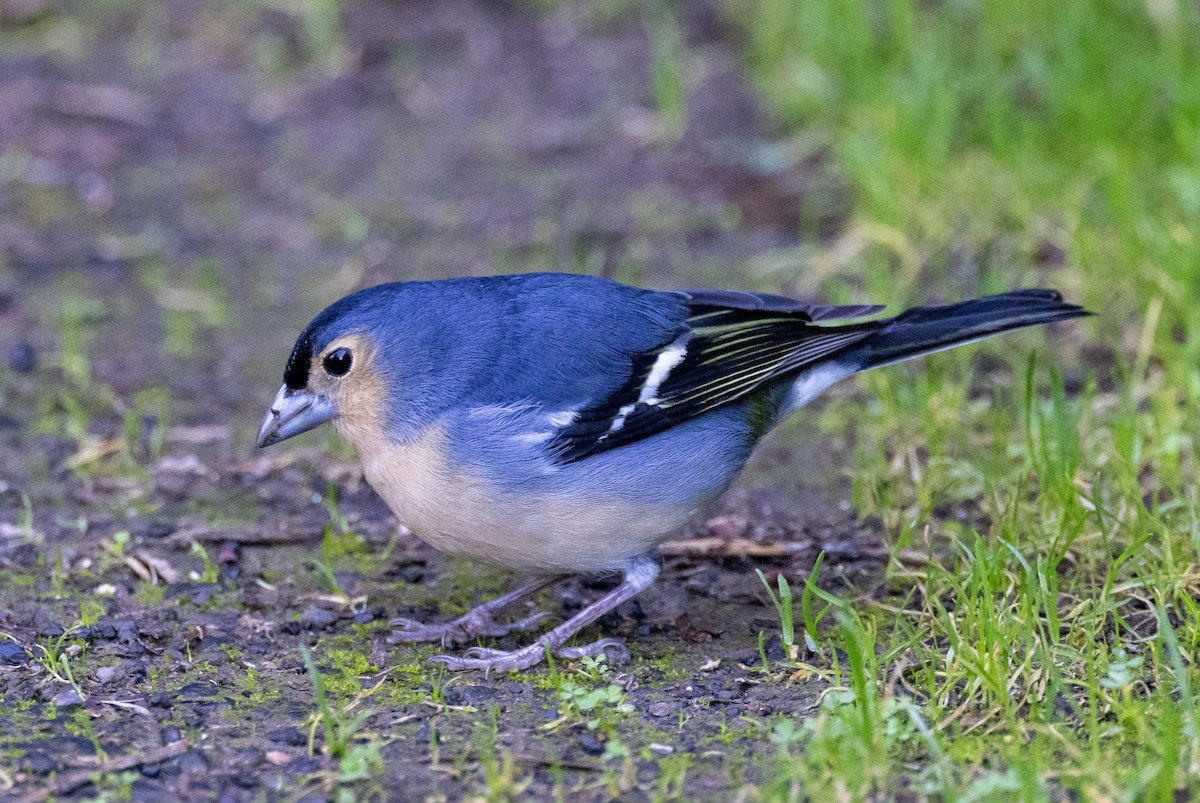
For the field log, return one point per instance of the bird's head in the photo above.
(382, 363)
(332, 374)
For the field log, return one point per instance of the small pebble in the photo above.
(304, 765)
(67, 698)
(22, 358)
(660, 710)
(243, 780)
(198, 690)
(316, 617)
(12, 654)
(277, 757)
(104, 630)
(40, 763)
(106, 673)
(127, 631)
(152, 528)
(45, 626)
(146, 790)
(194, 592)
(591, 745)
(477, 695)
(288, 735)
(193, 762)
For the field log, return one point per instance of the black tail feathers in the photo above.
(924, 330)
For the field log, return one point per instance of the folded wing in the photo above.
(732, 344)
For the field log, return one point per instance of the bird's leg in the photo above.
(476, 622)
(638, 576)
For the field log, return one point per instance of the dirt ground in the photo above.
(183, 186)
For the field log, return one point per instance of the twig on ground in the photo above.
(252, 537)
(734, 547)
(70, 781)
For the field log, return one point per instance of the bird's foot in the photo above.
(639, 574)
(489, 660)
(612, 649)
(465, 628)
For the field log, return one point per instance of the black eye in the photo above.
(337, 362)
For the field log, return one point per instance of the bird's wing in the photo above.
(730, 345)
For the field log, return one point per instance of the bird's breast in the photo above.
(540, 530)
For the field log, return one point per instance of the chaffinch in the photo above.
(559, 424)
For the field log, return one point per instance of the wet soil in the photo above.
(184, 185)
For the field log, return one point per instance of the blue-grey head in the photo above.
(330, 368)
(371, 363)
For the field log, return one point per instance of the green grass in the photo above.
(1037, 632)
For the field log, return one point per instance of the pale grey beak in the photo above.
(293, 412)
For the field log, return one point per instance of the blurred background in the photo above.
(184, 184)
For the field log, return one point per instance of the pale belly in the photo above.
(534, 532)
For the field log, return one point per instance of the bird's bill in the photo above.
(293, 412)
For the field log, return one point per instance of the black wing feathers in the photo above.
(923, 330)
(731, 345)
(734, 343)
(726, 300)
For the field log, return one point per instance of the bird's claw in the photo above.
(613, 649)
(493, 661)
(488, 660)
(461, 630)
(410, 630)
(485, 652)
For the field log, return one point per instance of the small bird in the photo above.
(558, 424)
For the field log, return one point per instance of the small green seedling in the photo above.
(783, 607)
(57, 663)
(211, 573)
(324, 565)
(339, 729)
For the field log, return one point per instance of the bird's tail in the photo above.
(924, 330)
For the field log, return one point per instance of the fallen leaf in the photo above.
(160, 565)
(143, 571)
(128, 706)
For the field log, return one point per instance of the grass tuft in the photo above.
(1036, 633)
